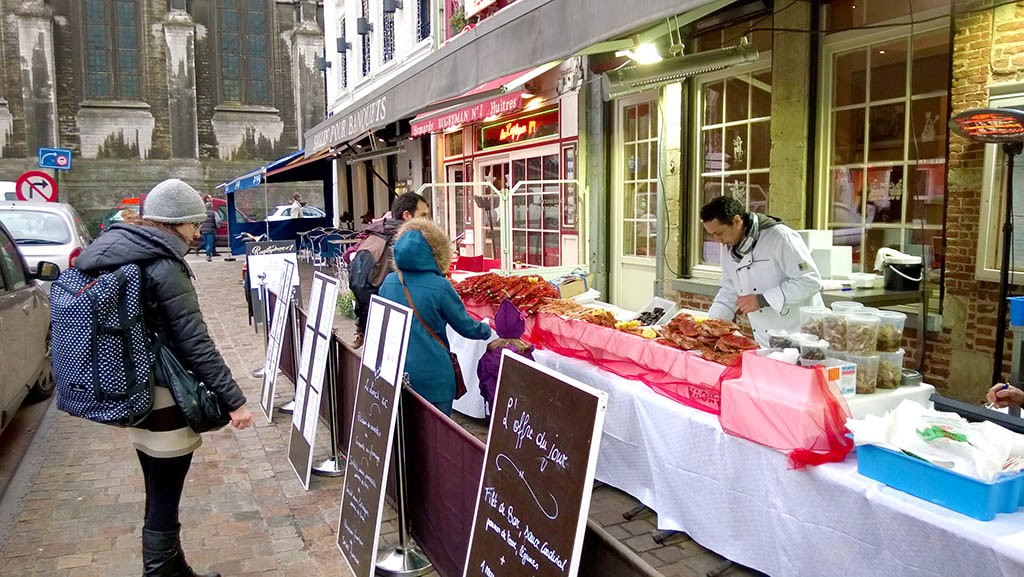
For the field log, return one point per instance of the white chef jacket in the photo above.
(781, 268)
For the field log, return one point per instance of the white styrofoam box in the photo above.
(883, 400)
(834, 261)
(816, 238)
(666, 305)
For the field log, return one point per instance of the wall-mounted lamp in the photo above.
(322, 64)
(363, 26)
(343, 46)
(634, 78)
(391, 5)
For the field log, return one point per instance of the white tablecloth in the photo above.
(739, 498)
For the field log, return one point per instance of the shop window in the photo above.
(885, 148)
(993, 212)
(453, 143)
(243, 51)
(640, 179)
(112, 60)
(536, 211)
(735, 144)
(848, 14)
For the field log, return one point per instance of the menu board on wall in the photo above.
(538, 473)
(275, 335)
(369, 449)
(309, 385)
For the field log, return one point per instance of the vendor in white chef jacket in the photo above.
(767, 270)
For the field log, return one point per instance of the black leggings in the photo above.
(165, 480)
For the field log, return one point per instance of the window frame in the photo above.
(245, 101)
(112, 56)
(695, 239)
(851, 40)
(990, 234)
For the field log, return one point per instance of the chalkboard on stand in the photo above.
(538, 474)
(369, 449)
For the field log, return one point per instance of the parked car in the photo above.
(129, 205)
(47, 231)
(284, 212)
(24, 329)
(8, 190)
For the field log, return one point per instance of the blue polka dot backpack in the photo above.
(101, 352)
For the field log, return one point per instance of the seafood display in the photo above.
(528, 293)
(716, 340)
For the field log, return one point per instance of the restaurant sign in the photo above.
(342, 127)
(521, 129)
(503, 104)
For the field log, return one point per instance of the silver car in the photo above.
(45, 231)
(24, 330)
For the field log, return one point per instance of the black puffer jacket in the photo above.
(172, 307)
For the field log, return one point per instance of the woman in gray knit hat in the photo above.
(157, 242)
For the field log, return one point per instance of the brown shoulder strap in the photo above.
(408, 297)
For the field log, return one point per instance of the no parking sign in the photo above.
(36, 185)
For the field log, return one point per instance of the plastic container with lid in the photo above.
(779, 339)
(846, 306)
(890, 330)
(890, 370)
(866, 311)
(861, 333)
(867, 372)
(811, 318)
(813, 349)
(834, 330)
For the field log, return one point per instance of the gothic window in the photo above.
(112, 63)
(243, 50)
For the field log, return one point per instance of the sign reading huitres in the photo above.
(538, 474)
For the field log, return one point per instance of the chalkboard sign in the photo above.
(274, 337)
(538, 473)
(373, 422)
(309, 385)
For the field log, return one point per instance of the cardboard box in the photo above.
(834, 261)
(570, 285)
(816, 238)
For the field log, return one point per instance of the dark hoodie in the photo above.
(422, 251)
(171, 307)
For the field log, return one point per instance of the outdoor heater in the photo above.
(997, 126)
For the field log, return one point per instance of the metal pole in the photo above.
(331, 466)
(1011, 149)
(265, 311)
(293, 311)
(405, 560)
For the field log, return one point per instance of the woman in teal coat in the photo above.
(422, 255)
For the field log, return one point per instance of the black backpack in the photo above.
(101, 353)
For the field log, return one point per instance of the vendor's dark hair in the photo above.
(723, 209)
(405, 202)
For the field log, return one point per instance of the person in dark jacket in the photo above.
(164, 443)
(422, 252)
(209, 231)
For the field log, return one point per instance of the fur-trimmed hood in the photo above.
(421, 245)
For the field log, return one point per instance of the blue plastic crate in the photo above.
(1016, 311)
(952, 490)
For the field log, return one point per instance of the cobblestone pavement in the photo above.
(75, 506)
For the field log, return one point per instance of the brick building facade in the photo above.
(139, 91)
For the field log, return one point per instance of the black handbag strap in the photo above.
(408, 297)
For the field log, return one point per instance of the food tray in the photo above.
(949, 489)
(668, 306)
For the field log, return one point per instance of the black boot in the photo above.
(162, 556)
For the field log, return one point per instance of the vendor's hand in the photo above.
(748, 304)
(241, 418)
(1002, 396)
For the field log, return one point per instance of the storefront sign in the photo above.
(340, 128)
(503, 104)
(522, 129)
(993, 125)
(474, 7)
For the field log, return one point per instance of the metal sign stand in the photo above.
(331, 466)
(264, 308)
(289, 407)
(406, 559)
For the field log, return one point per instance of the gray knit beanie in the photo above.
(174, 202)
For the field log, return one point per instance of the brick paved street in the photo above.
(75, 507)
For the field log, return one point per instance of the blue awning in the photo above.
(254, 178)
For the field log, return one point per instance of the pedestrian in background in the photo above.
(296, 208)
(163, 442)
(209, 231)
(422, 254)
